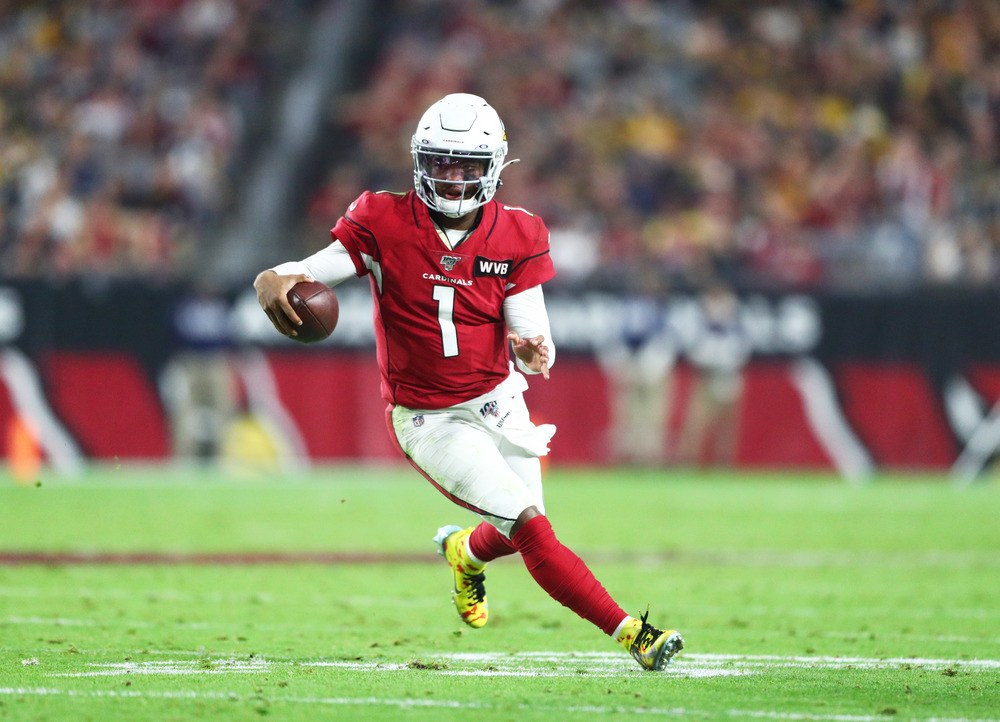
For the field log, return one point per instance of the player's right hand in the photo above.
(272, 295)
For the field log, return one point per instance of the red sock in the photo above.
(487, 543)
(564, 575)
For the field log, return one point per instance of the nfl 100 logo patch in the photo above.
(418, 420)
(489, 409)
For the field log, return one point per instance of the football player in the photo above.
(457, 277)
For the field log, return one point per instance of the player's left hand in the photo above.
(532, 351)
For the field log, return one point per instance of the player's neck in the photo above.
(462, 223)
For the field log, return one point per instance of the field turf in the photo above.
(192, 594)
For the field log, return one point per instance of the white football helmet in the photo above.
(459, 126)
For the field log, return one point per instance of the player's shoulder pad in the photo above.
(531, 225)
(371, 203)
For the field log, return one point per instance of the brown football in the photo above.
(317, 306)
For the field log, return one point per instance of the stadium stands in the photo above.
(123, 128)
(808, 146)
(825, 145)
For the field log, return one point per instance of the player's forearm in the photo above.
(331, 265)
(526, 316)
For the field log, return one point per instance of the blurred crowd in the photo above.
(837, 144)
(831, 144)
(120, 129)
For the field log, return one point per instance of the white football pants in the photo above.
(481, 454)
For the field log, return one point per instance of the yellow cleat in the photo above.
(469, 594)
(652, 648)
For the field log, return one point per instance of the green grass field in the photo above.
(800, 598)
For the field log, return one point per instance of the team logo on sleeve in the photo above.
(489, 267)
(448, 262)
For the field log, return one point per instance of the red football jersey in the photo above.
(440, 332)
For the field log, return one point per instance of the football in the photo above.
(317, 306)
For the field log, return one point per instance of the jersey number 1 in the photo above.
(445, 296)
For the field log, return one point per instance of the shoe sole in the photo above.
(672, 646)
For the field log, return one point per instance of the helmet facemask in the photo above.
(458, 153)
(455, 183)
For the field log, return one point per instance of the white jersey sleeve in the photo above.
(526, 316)
(331, 265)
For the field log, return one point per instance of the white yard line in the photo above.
(532, 664)
(772, 660)
(496, 668)
(413, 703)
